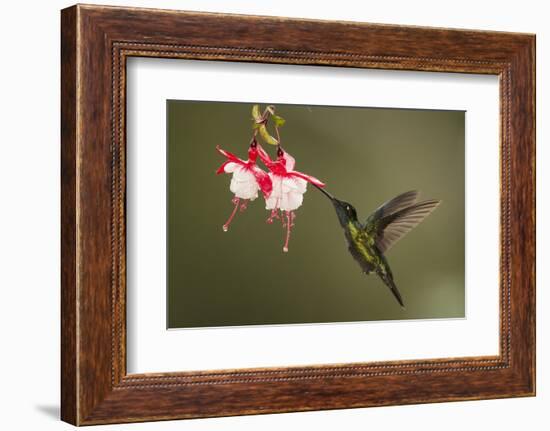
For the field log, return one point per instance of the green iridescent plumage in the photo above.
(390, 222)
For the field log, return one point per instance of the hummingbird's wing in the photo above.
(390, 228)
(399, 202)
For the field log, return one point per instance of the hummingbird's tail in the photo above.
(388, 281)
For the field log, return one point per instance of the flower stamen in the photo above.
(274, 214)
(236, 201)
(289, 223)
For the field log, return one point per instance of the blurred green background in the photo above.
(365, 156)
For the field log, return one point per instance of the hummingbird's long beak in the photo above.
(327, 194)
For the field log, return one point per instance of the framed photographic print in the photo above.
(265, 215)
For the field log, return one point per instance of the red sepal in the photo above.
(306, 177)
(228, 154)
(264, 157)
(263, 179)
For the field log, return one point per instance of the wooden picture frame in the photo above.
(95, 43)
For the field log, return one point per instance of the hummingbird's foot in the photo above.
(289, 223)
(235, 201)
(244, 205)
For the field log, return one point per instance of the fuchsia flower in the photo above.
(288, 188)
(247, 178)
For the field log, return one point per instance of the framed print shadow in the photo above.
(266, 215)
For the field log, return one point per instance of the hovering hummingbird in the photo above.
(390, 222)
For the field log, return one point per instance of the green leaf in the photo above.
(279, 121)
(256, 115)
(259, 124)
(266, 136)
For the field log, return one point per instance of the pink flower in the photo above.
(247, 178)
(288, 188)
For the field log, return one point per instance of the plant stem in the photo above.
(278, 136)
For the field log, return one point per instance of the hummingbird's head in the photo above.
(345, 211)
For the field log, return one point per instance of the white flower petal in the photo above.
(244, 190)
(276, 183)
(287, 193)
(244, 184)
(243, 174)
(292, 201)
(271, 202)
(291, 184)
(230, 167)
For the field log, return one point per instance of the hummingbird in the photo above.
(368, 242)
